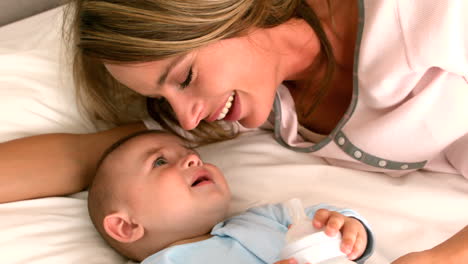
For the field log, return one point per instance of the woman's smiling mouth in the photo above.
(226, 107)
(230, 111)
(223, 110)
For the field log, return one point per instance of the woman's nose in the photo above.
(192, 160)
(188, 111)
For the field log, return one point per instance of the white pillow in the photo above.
(37, 96)
(36, 92)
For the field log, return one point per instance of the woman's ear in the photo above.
(120, 227)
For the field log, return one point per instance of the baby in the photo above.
(154, 200)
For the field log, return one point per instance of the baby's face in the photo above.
(167, 187)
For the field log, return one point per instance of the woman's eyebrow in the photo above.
(168, 69)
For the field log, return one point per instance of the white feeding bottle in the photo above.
(307, 244)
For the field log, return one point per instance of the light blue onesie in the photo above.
(254, 237)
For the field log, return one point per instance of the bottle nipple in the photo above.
(301, 224)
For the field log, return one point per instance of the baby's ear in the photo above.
(120, 227)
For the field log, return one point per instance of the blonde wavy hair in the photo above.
(129, 31)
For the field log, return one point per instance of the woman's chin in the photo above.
(252, 122)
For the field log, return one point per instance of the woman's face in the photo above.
(199, 85)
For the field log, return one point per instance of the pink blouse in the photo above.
(410, 98)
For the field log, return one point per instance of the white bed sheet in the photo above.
(410, 213)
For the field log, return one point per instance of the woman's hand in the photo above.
(353, 233)
(423, 257)
(288, 261)
(25, 170)
(452, 251)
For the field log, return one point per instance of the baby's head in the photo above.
(151, 191)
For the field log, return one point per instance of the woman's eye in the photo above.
(188, 80)
(159, 162)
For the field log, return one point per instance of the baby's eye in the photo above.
(159, 162)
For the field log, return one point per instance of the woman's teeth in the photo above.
(226, 107)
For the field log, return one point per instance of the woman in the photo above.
(364, 84)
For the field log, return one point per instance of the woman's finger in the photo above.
(287, 261)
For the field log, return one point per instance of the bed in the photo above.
(410, 213)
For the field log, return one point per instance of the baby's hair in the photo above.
(100, 193)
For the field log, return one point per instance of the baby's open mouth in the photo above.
(201, 181)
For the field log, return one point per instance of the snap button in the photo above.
(404, 167)
(357, 154)
(341, 141)
(382, 163)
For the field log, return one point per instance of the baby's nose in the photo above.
(192, 160)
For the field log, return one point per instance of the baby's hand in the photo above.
(353, 233)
